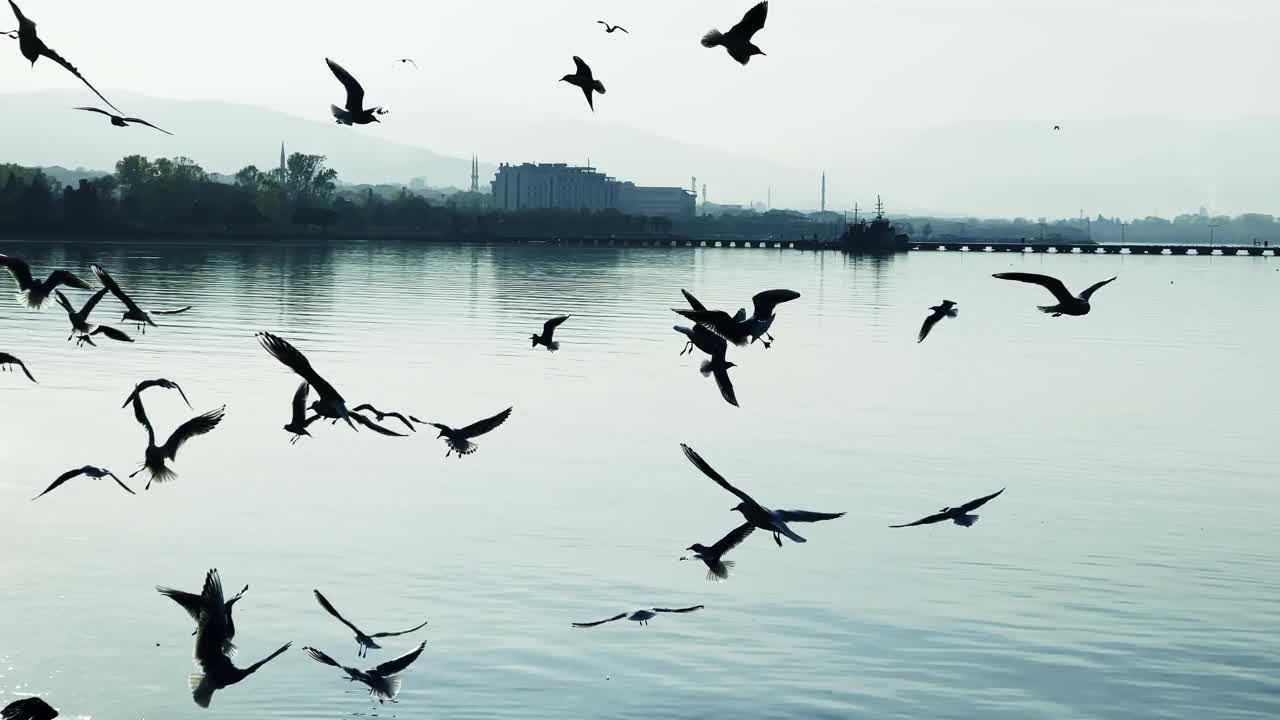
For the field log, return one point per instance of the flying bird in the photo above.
(33, 47)
(6, 360)
(946, 309)
(383, 680)
(363, 639)
(611, 28)
(404, 61)
(122, 121)
(29, 708)
(79, 318)
(160, 383)
(380, 415)
(133, 313)
(959, 515)
(548, 330)
(717, 567)
(212, 636)
(1067, 303)
(1057, 127)
(157, 454)
(740, 329)
(191, 602)
(738, 40)
(110, 332)
(88, 470)
(354, 112)
(298, 420)
(585, 80)
(459, 440)
(640, 616)
(774, 521)
(33, 293)
(715, 346)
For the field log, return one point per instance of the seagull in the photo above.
(958, 515)
(715, 346)
(640, 616)
(298, 420)
(156, 455)
(212, 636)
(330, 404)
(740, 329)
(403, 61)
(1067, 304)
(611, 28)
(383, 680)
(354, 112)
(132, 311)
(585, 80)
(946, 309)
(122, 121)
(79, 318)
(30, 708)
(6, 360)
(1057, 127)
(91, 471)
(365, 641)
(774, 521)
(160, 383)
(717, 568)
(110, 332)
(32, 293)
(33, 47)
(738, 40)
(459, 441)
(384, 415)
(191, 603)
(549, 329)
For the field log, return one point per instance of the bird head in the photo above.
(442, 434)
(753, 50)
(945, 509)
(696, 547)
(740, 507)
(728, 365)
(567, 78)
(533, 339)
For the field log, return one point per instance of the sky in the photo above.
(881, 94)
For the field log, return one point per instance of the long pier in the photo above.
(1098, 249)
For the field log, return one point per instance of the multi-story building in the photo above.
(567, 187)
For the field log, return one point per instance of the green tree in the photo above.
(307, 181)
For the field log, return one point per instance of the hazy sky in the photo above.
(844, 82)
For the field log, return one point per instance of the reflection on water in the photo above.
(1130, 570)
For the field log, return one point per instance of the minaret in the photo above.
(475, 173)
(283, 163)
(824, 192)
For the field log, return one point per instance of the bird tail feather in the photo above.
(340, 114)
(712, 39)
(598, 87)
(706, 368)
(1048, 309)
(967, 520)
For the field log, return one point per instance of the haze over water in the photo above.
(1129, 571)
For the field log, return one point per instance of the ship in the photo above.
(875, 237)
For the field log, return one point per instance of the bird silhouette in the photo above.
(33, 47)
(154, 462)
(959, 515)
(717, 567)
(354, 112)
(212, 635)
(407, 61)
(584, 80)
(1068, 304)
(946, 309)
(88, 470)
(122, 121)
(160, 383)
(364, 640)
(380, 415)
(639, 616)
(110, 332)
(383, 680)
(133, 313)
(548, 330)
(715, 346)
(611, 28)
(740, 329)
(192, 603)
(6, 360)
(738, 40)
(33, 293)
(298, 420)
(81, 328)
(459, 440)
(29, 708)
(774, 521)
(1057, 127)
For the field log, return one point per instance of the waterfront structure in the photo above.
(569, 187)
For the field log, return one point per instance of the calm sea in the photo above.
(1131, 569)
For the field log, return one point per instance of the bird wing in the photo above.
(752, 21)
(766, 301)
(1089, 291)
(281, 350)
(112, 333)
(619, 27)
(721, 374)
(718, 322)
(733, 539)
(1052, 284)
(398, 665)
(31, 708)
(180, 392)
(254, 667)
(710, 472)
(805, 515)
(678, 610)
(198, 425)
(402, 632)
(600, 622)
(61, 479)
(374, 426)
(929, 322)
(121, 483)
(64, 302)
(6, 358)
(109, 283)
(583, 69)
(487, 425)
(324, 603)
(91, 303)
(975, 504)
(211, 633)
(189, 601)
(300, 401)
(140, 121)
(19, 269)
(380, 415)
(64, 277)
(355, 93)
(693, 301)
(97, 110)
(171, 312)
(549, 327)
(938, 517)
(54, 56)
(140, 413)
(320, 657)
